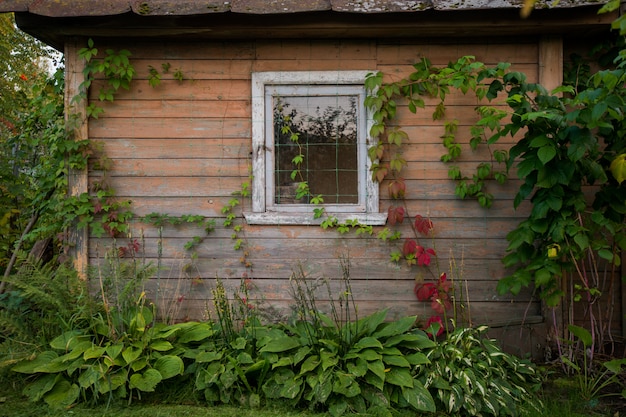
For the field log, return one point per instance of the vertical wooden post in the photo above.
(551, 62)
(76, 122)
(551, 76)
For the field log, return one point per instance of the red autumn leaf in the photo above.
(24, 77)
(395, 215)
(397, 188)
(425, 291)
(423, 225)
(410, 246)
(423, 256)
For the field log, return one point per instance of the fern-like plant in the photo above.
(42, 302)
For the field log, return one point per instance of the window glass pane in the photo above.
(326, 130)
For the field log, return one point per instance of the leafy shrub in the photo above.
(469, 375)
(93, 362)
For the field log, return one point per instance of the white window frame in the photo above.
(264, 211)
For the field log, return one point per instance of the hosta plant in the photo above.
(361, 365)
(469, 375)
(97, 362)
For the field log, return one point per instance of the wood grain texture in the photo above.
(185, 147)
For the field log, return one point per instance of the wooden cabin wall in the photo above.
(185, 147)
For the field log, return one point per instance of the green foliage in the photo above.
(469, 375)
(593, 383)
(43, 300)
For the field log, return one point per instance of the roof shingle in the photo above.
(76, 8)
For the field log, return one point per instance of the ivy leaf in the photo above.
(546, 153)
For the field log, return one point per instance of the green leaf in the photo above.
(30, 367)
(396, 361)
(582, 334)
(36, 390)
(62, 395)
(367, 342)
(130, 354)
(281, 344)
(161, 345)
(419, 398)
(67, 340)
(546, 153)
(401, 377)
(377, 368)
(542, 277)
(145, 382)
(395, 327)
(169, 366)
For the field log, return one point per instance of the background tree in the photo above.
(31, 108)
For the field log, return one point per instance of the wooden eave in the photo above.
(579, 21)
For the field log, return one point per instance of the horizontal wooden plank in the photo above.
(176, 167)
(459, 270)
(184, 109)
(173, 50)
(231, 89)
(169, 148)
(490, 52)
(365, 63)
(480, 228)
(359, 290)
(282, 310)
(168, 128)
(395, 71)
(313, 248)
(317, 50)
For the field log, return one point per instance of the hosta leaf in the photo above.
(147, 381)
(370, 355)
(400, 377)
(30, 367)
(395, 328)
(357, 368)
(328, 359)
(374, 380)
(209, 356)
(195, 333)
(377, 368)
(67, 340)
(414, 340)
(169, 366)
(417, 358)
(94, 352)
(419, 398)
(309, 364)
(35, 390)
(337, 407)
(396, 361)
(282, 344)
(131, 353)
(161, 345)
(367, 342)
(346, 385)
(89, 377)
(62, 395)
(113, 381)
(291, 388)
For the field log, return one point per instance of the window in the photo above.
(324, 110)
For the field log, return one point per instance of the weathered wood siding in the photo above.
(184, 148)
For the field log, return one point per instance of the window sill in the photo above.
(306, 219)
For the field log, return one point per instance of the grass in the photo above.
(559, 395)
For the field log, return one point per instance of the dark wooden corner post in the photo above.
(551, 77)
(77, 123)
